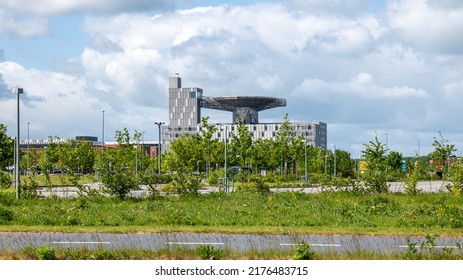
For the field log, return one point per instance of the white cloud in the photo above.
(26, 27)
(62, 7)
(428, 25)
(357, 71)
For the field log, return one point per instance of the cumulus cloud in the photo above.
(22, 27)
(360, 72)
(428, 25)
(59, 7)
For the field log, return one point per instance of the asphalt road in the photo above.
(233, 242)
(68, 192)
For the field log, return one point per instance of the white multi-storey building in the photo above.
(185, 116)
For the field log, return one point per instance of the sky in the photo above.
(386, 68)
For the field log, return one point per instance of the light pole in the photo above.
(305, 155)
(28, 152)
(17, 91)
(102, 134)
(159, 146)
(225, 166)
(334, 171)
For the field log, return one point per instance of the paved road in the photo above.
(68, 192)
(234, 242)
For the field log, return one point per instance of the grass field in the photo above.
(287, 212)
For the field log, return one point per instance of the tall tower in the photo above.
(184, 104)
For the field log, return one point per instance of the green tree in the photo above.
(240, 145)
(284, 137)
(374, 155)
(209, 145)
(442, 152)
(6, 148)
(116, 166)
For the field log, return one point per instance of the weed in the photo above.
(45, 252)
(302, 251)
(412, 252)
(206, 252)
(6, 215)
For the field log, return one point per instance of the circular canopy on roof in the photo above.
(256, 102)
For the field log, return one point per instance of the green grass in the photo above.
(183, 253)
(276, 213)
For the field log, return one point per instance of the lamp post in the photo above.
(305, 157)
(334, 171)
(225, 165)
(102, 134)
(28, 152)
(159, 146)
(17, 91)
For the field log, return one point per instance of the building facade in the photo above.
(185, 116)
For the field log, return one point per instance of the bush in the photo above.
(184, 184)
(5, 180)
(45, 253)
(119, 183)
(302, 251)
(255, 185)
(207, 252)
(5, 214)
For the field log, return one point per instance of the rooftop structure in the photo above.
(244, 108)
(185, 106)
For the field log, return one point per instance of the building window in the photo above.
(192, 94)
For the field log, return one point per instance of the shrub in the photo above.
(6, 214)
(45, 253)
(119, 183)
(206, 252)
(256, 185)
(184, 184)
(5, 180)
(302, 251)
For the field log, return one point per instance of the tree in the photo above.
(284, 137)
(115, 166)
(6, 148)
(442, 152)
(240, 145)
(374, 155)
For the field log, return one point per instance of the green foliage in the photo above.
(411, 182)
(5, 180)
(302, 251)
(6, 148)
(255, 185)
(45, 252)
(375, 179)
(456, 178)
(28, 189)
(207, 252)
(442, 151)
(6, 214)
(116, 166)
(184, 184)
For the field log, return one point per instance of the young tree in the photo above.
(240, 145)
(442, 152)
(284, 137)
(374, 154)
(115, 166)
(6, 148)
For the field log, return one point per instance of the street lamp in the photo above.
(305, 155)
(159, 146)
(334, 171)
(28, 152)
(102, 134)
(17, 91)
(225, 165)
